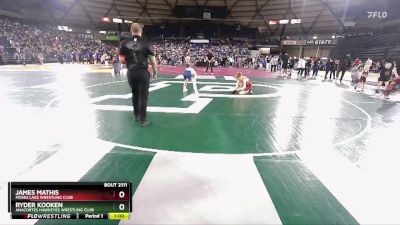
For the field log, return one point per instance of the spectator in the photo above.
(301, 66)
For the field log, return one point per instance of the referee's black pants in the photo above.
(139, 81)
(343, 72)
(211, 65)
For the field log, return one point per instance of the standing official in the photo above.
(342, 68)
(136, 52)
(210, 62)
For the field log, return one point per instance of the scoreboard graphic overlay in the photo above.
(70, 200)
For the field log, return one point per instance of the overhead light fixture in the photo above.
(103, 32)
(333, 36)
(295, 21)
(106, 19)
(349, 24)
(117, 20)
(315, 37)
(63, 28)
(273, 22)
(283, 21)
(207, 15)
(128, 21)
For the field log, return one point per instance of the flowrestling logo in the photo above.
(377, 14)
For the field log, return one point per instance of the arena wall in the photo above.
(323, 51)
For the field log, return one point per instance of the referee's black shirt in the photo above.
(136, 51)
(210, 56)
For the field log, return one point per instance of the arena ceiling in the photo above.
(317, 15)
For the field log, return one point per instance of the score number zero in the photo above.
(121, 194)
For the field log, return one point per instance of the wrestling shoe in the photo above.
(144, 123)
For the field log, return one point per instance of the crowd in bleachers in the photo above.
(375, 46)
(225, 52)
(29, 43)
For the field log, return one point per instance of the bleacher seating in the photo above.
(376, 47)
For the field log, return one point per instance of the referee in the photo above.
(210, 62)
(135, 53)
